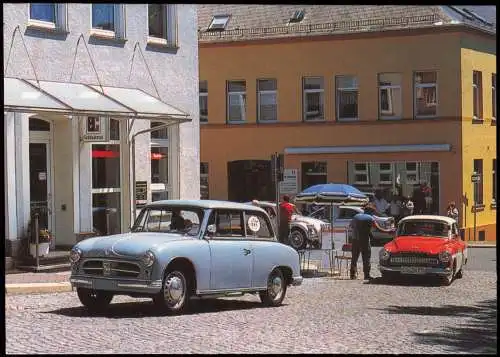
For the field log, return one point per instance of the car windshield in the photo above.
(165, 219)
(423, 228)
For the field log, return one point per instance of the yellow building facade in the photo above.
(424, 133)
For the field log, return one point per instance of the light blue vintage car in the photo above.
(180, 250)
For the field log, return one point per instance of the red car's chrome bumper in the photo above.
(424, 270)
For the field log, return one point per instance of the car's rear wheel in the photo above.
(298, 239)
(94, 300)
(175, 293)
(276, 289)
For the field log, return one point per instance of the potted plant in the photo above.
(44, 243)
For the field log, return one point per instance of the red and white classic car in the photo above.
(425, 245)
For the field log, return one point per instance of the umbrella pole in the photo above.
(333, 228)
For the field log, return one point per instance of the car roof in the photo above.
(428, 217)
(262, 203)
(207, 204)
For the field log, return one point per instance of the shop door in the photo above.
(40, 183)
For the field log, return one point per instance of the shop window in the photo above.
(477, 94)
(361, 175)
(162, 23)
(160, 133)
(389, 91)
(385, 173)
(411, 173)
(313, 98)
(204, 192)
(236, 101)
(347, 97)
(267, 100)
(105, 166)
(313, 173)
(478, 168)
(36, 124)
(203, 101)
(425, 93)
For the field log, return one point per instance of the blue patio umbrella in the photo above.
(332, 194)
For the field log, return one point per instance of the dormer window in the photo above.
(297, 16)
(219, 23)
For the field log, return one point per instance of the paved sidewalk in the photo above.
(29, 278)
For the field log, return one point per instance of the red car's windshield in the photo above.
(423, 228)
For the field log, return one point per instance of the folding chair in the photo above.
(345, 255)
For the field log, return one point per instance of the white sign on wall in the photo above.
(95, 129)
(290, 183)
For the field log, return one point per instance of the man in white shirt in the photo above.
(380, 202)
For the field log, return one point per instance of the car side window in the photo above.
(257, 225)
(229, 224)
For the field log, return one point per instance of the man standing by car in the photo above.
(286, 211)
(361, 226)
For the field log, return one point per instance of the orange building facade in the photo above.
(386, 111)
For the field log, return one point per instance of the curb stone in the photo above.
(38, 288)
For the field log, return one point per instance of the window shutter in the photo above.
(171, 23)
(62, 17)
(120, 21)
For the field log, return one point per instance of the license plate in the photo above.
(413, 270)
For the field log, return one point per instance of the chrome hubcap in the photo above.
(296, 239)
(175, 289)
(276, 287)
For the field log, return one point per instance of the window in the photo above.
(411, 173)
(48, 16)
(361, 176)
(174, 220)
(477, 94)
(297, 16)
(267, 100)
(478, 168)
(313, 173)
(494, 96)
(160, 133)
(494, 188)
(159, 165)
(347, 97)
(108, 20)
(313, 90)
(162, 24)
(159, 161)
(385, 173)
(425, 94)
(228, 223)
(347, 213)
(204, 192)
(203, 101)
(257, 226)
(389, 91)
(218, 23)
(236, 101)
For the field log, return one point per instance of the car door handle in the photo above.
(246, 251)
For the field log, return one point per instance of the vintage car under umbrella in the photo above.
(332, 194)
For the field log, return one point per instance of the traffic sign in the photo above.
(290, 182)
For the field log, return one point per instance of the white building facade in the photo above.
(128, 64)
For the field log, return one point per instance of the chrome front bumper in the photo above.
(297, 280)
(427, 270)
(110, 284)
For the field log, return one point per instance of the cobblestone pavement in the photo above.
(26, 278)
(321, 316)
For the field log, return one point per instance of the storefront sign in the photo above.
(290, 183)
(42, 176)
(141, 192)
(95, 129)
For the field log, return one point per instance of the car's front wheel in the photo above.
(94, 300)
(174, 295)
(298, 239)
(276, 289)
(448, 279)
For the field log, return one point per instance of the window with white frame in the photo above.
(425, 92)
(236, 101)
(477, 95)
(48, 15)
(160, 163)
(267, 100)
(347, 97)
(361, 174)
(411, 169)
(494, 96)
(108, 20)
(162, 24)
(313, 98)
(385, 173)
(389, 92)
(203, 101)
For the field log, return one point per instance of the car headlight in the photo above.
(148, 259)
(75, 255)
(445, 256)
(384, 254)
(312, 230)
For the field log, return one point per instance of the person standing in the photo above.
(395, 208)
(381, 205)
(419, 199)
(406, 207)
(286, 211)
(361, 226)
(452, 211)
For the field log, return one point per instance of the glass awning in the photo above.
(30, 96)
